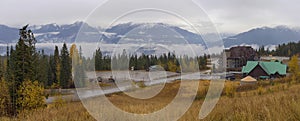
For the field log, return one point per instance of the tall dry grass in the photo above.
(279, 101)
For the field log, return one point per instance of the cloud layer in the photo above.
(228, 15)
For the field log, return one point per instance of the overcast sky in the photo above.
(231, 16)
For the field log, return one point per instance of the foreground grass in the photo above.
(279, 102)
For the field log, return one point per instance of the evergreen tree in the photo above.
(22, 62)
(107, 63)
(8, 67)
(57, 66)
(65, 70)
(51, 73)
(98, 60)
(123, 61)
(43, 69)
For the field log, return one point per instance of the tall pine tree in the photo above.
(57, 65)
(98, 60)
(65, 69)
(22, 64)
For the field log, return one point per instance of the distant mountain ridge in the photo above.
(154, 32)
(53, 33)
(264, 36)
(49, 33)
(141, 32)
(8, 33)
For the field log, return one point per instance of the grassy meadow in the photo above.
(274, 100)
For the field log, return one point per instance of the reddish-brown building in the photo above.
(238, 56)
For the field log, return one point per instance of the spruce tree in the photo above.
(98, 60)
(51, 72)
(65, 70)
(22, 64)
(56, 64)
(7, 69)
(43, 69)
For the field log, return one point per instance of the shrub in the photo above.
(104, 84)
(270, 90)
(260, 90)
(140, 84)
(4, 98)
(59, 102)
(55, 86)
(30, 96)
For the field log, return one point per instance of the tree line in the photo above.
(168, 61)
(25, 72)
(289, 49)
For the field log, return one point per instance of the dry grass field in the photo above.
(279, 101)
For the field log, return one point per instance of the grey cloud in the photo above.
(228, 15)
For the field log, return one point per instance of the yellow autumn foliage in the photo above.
(30, 96)
(294, 68)
(4, 98)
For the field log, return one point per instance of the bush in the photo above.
(270, 90)
(261, 90)
(59, 102)
(30, 96)
(140, 84)
(4, 98)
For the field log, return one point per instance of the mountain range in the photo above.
(128, 32)
(146, 32)
(264, 36)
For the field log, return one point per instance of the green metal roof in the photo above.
(269, 67)
(250, 66)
